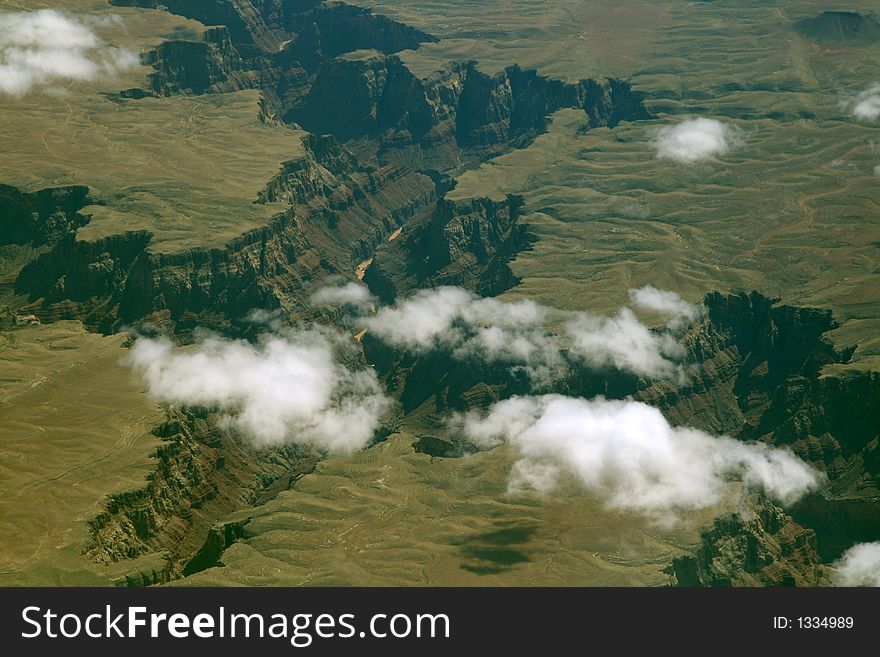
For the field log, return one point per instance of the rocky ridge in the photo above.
(464, 243)
(760, 364)
(453, 119)
(338, 212)
(840, 28)
(759, 546)
(202, 473)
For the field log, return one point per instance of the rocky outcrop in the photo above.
(465, 243)
(460, 232)
(253, 24)
(746, 346)
(338, 212)
(438, 447)
(202, 474)
(78, 279)
(209, 65)
(759, 546)
(840, 28)
(760, 378)
(336, 28)
(220, 537)
(459, 113)
(43, 217)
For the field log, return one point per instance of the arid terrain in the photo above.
(561, 293)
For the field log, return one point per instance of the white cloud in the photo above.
(693, 140)
(289, 387)
(627, 454)
(625, 343)
(859, 566)
(44, 47)
(518, 333)
(353, 296)
(419, 322)
(668, 304)
(866, 105)
(454, 319)
(512, 333)
(877, 170)
(263, 317)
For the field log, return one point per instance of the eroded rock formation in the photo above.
(465, 243)
(202, 473)
(841, 28)
(759, 546)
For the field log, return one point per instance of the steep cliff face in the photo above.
(459, 112)
(746, 347)
(841, 28)
(210, 65)
(217, 287)
(338, 213)
(273, 46)
(760, 378)
(78, 280)
(117, 280)
(202, 474)
(308, 30)
(350, 208)
(834, 423)
(332, 29)
(313, 65)
(464, 231)
(43, 217)
(253, 24)
(832, 420)
(465, 243)
(760, 546)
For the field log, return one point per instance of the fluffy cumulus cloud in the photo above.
(628, 455)
(866, 105)
(289, 387)
(350, 296)
(518, 333)
(46, 47)
(626, 344)
(859, 566)
(423, 320)
(693, 140)
(665, 303)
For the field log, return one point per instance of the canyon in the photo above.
(377, 186)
